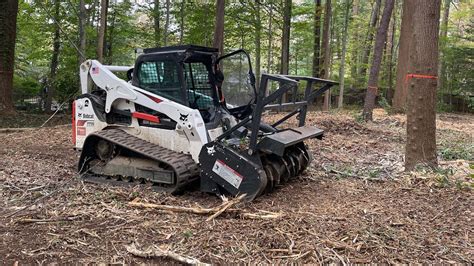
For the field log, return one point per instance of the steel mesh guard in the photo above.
(198, 85)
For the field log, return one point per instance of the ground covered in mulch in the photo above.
(354, 204)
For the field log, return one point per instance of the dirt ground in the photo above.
(353, 205)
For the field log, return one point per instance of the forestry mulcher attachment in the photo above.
(178, 122)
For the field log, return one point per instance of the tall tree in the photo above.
(317, 38)
(167, 23)
(54, 58)
(374, 16)
(444, 35)
(401, 90)
(326, 51)
(372, 86)
(82, 16)
(8, 14)
(422, 69)
(219, 26)
(389, 49)
(285, 40)
(343, 55)
(104, 6)
(156, 23)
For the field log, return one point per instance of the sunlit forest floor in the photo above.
(354, 204)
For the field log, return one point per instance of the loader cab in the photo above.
(183, 74)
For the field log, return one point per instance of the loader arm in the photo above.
(188, 120)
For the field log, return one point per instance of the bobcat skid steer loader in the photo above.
(173, 120)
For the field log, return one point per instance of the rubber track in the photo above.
(185, 168)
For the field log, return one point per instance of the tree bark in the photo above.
(110, 38)
(444, 35)
(167, 24)
(8, 14)
(285, 40)
(421, 102)
(54, 59)
(372, 87)
(326, 51)
(219, 26)
(317, 38)
(370, 37)
(104, 5)
(156, 23)
(82, 31)
(401, 90)
(343, 55)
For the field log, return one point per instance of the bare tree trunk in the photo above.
(372, 88)
(444, 35)
(82, 31)
(8, 14)
(326, 51)
(181, 23)
(389, 52)
(167, 24)
(370, 37)
(110, 46)
(355, 55)
(219, 26)
(317, 38)
(401, 90)
(104, 5)
(270, 39)
(258, 33)
(54, 59)
(156, 21)
(285, 40)
(422, 69)
(343, 56)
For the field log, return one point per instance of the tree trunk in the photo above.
(326, 51)
(343, 55)
(421, 102)
(401, 90)
(219, 27)
(54, 59)
(270, 40)
(104, 5)
(355, 55)
(444, 35)
(167, 24)
(317, 38)
(389, 48)
(370, 37)
(8, 14)
(285, 40)
(82, 31)
(181, 23)
(372, 87)
(156, 21)
(258, 33)
(110, 46)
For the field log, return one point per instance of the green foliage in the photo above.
(131, 25)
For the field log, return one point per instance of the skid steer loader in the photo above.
(183, 116)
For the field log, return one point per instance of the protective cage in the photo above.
(273, 155)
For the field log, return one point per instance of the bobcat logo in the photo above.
(183, 117)
(211, 150)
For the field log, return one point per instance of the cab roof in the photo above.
(181, 49)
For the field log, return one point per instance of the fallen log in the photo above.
(155, 251)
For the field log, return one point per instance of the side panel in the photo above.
(85, 121)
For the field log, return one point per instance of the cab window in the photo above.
(161, 78)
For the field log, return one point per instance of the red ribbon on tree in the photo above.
(419, 76)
